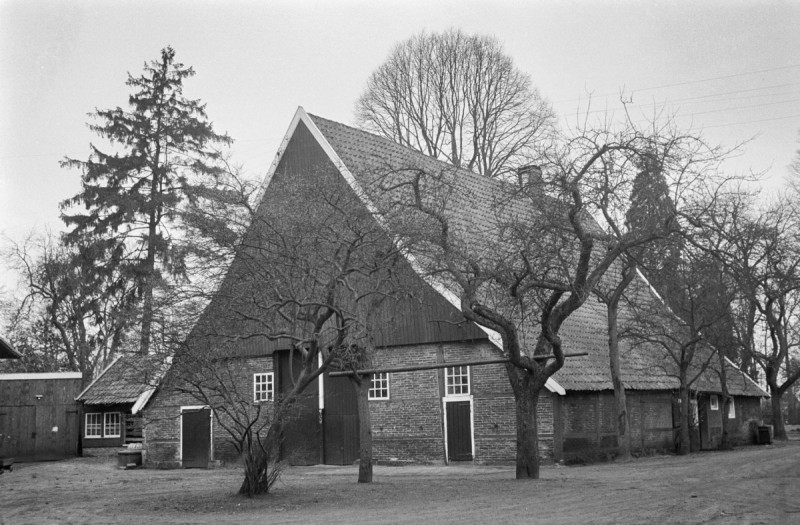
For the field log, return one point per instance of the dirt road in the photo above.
(748, 485)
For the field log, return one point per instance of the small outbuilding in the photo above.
(112, 403)
(39, 416)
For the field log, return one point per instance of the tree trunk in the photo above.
(147, 317)
(150, 263)
(779, 430)
(526, 400)
(725, 440)
(683, 442)
(261, 467)
(362, 384)
(620, 401)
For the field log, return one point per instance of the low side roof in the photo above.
(124, 380)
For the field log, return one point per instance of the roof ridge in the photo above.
(445, 165)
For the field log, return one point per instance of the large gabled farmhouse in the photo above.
(445, 414)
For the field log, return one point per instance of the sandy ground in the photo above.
(759, 484)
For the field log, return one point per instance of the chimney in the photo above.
(530, 174)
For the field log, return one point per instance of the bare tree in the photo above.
(521, 259)
(693, 307)
(311, 258)
(458, 98)
(73, 302)
(760, 249)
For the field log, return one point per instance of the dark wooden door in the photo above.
(459, 431)
(196, 437)
(20, 424)
(302, 435)
(340, 421)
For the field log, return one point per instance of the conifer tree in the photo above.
(653, 210)
(162, 148)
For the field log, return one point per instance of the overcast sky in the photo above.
(728, 69)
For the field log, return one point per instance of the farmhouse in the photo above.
(457, 412)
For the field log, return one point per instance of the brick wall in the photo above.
(162, 419)
(410, 425)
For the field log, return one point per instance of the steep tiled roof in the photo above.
(124, 381)
(471, 207)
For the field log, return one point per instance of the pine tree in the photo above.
(163, 147)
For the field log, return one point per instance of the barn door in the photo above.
(195, 437)
(20, 422)
(459, 430)
(340, 421)
(302, 435)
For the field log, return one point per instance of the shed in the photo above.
(39, 416)
(112, 403)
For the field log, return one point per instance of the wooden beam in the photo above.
(439, 365)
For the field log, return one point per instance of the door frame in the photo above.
(186, 408)
(451, 399)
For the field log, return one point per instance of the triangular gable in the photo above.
(347, 174)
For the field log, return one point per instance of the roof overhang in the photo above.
(140, 403)
(40, 375)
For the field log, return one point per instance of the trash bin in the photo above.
(128, 457)
(764, 437)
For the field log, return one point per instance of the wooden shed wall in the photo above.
(39, 418)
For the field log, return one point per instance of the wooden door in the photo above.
(19, 422)
(459, 431)
(340, 421)
(196, 437)
(302, 435)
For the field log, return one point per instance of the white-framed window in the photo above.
(112, 424)
(457, 381)
(731, 410)
(714, 402)
(379, 386)
(94, 425)
(264, 387)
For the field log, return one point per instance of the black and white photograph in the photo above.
(476, 261)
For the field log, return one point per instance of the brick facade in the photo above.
(162, 420)
(409, 426)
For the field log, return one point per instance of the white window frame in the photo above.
(107, 421)
(714, 402)
(731, 410)
(378, 386)
(98, 424)
(450, 386)
(263, 387)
